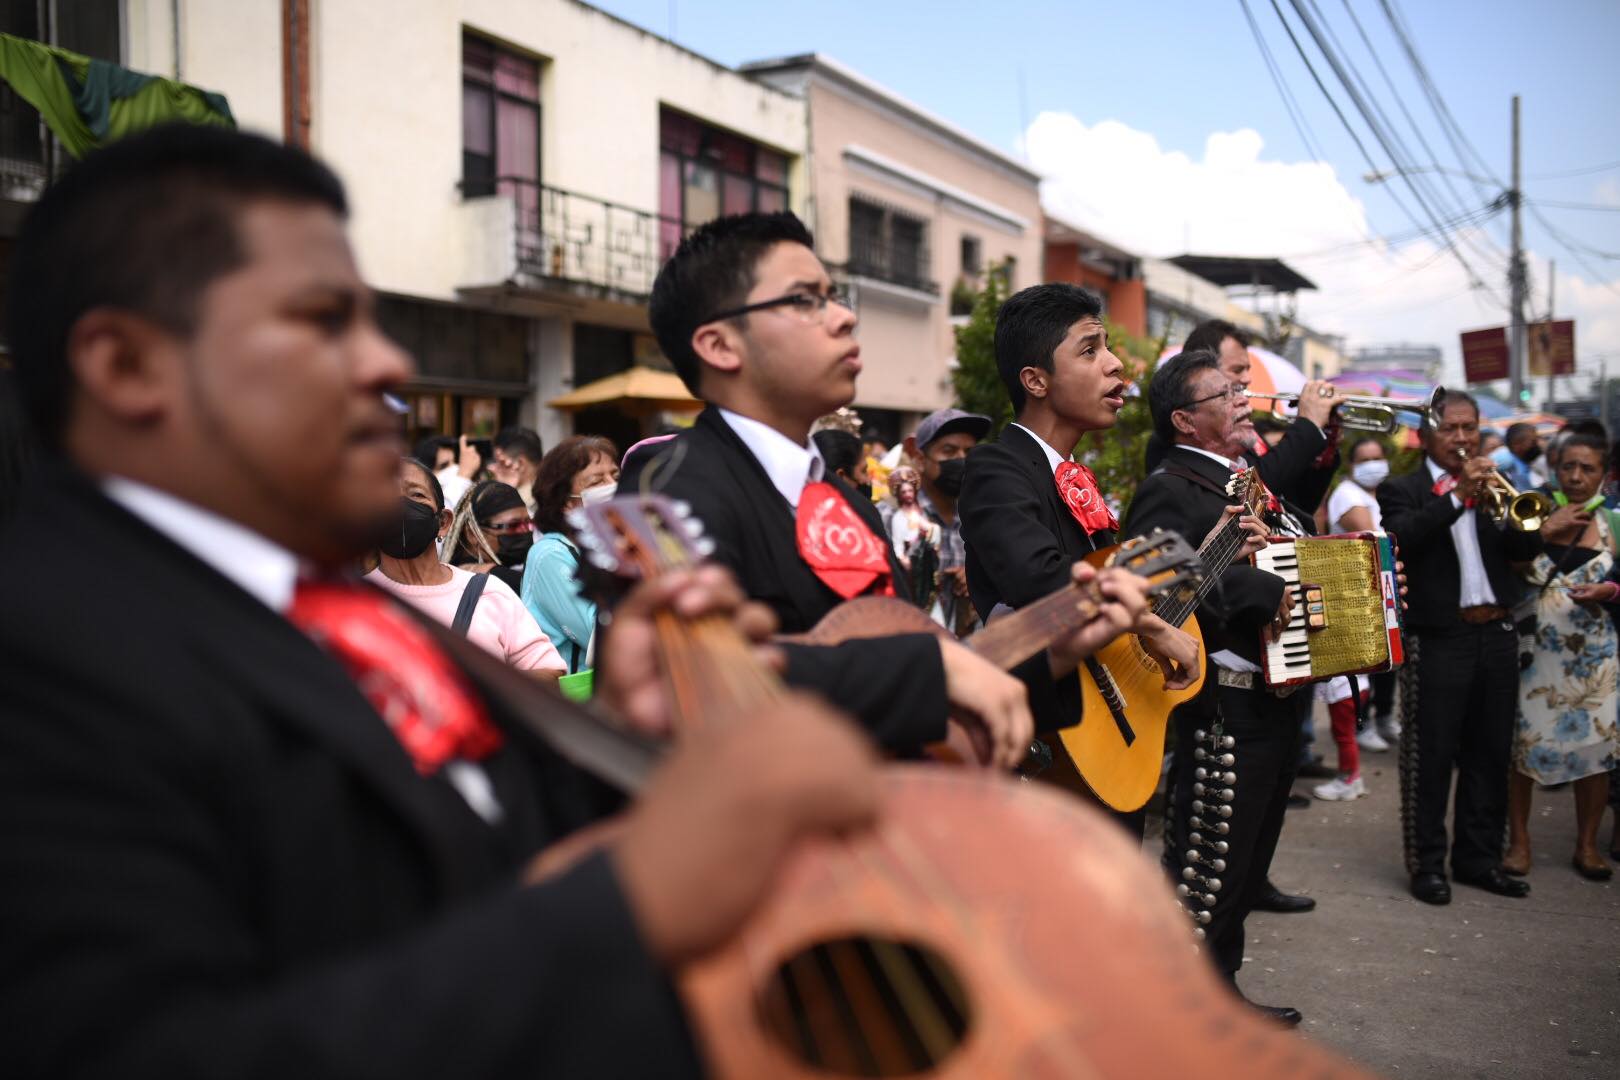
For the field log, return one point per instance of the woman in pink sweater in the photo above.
(410, 568)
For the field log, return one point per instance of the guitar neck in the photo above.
(1014, 638)
(1215, 553)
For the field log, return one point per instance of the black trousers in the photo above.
(1383, 693)
(1267, 733)
(1459, 695)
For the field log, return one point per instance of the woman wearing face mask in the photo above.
(1353, 507)
(491, 532)
(580, 470)
(1566, 729)
(480, 607)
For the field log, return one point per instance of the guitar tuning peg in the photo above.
(704, 546)
(603, 561)
(682, 508)
(576, 520)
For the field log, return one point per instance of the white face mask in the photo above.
(601, 493)
(1369, 474)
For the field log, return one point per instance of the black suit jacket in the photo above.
(216, 860)
(1244, 599)
(894, 685)
(1288, 470)
(1421, 522)
(1021, 541)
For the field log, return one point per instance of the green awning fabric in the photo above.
(88, 102)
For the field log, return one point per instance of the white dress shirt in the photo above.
(266, 571)
(1053, 458)
(789, 465)
(1475, 587)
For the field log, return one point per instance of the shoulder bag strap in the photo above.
(469, 601)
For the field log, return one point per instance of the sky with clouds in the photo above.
(1158, 125)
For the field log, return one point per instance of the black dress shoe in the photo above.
(1316, 769)
(1432, 888)
(1493, 880)
(1298, 802)
(1286, 1015)
(1274, 899)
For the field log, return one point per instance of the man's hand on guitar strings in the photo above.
(989, 704)
(1124, 602)
(1175, 651)
(630, 674)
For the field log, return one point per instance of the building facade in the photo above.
(517, 174)
(1078, 257)
(913, 213)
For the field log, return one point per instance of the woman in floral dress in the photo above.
(1567, 727)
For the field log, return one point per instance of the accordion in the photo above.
(1347, 607)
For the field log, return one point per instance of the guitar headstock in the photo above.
(1249, 489)
(1163, 557)
(640, 536)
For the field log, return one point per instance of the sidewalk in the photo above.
(1487, 987)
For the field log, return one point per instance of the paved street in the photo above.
(1487, 987)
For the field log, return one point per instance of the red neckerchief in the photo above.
(1080, 493)
(1444, 486)
(838, 545)
(411, 683)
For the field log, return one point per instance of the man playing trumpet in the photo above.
(1460, 683)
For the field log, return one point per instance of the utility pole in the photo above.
(1552, 375)
(1516, 335)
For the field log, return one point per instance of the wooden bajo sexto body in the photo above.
(981, 928)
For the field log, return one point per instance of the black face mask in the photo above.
(1530, 454)
(865, 490)
(514, 548)
(949, 480)
(418, 525)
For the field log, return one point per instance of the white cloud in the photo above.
(1233, 201)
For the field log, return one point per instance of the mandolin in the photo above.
(926, 944)
(1118, 747)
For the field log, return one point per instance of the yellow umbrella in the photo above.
(638, 388)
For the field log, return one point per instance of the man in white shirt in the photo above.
(1459, 686)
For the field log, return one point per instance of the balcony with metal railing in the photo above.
(568, 241)
(897, 260)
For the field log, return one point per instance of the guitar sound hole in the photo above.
(865, 1006)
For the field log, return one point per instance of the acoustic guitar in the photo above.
(1118, 746)
(926, 944)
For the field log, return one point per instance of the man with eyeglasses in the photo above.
(1195, 408)
(748, 316)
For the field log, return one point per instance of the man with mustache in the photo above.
(749, 317)
(1028, 510)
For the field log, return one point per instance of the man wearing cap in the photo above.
(939, 448)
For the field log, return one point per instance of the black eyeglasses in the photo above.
(1231, 393)
(808, 306)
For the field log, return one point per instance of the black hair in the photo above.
(17, 452)
(428, 446)
(519, 442)
(1210, 333)
(145, 225)
(1031, 324)
(433, 481)
(1517, 431)
(713, 270)
(1357, 444)
(1426, 428)
(1590, 427)
(839, 449)
(1168, 391)
(1588, 439)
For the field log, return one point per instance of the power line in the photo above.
(1368, 117)
(1295, 114)
(1589, 170)
(1578, 206)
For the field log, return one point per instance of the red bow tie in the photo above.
(839, 546)
(1078, 487)
(409, 681)
(1446, 484)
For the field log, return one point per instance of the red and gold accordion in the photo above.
(1347, 607)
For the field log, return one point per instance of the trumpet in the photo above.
(1525, 511)
(1360, 413)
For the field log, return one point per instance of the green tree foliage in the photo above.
(1115, 455)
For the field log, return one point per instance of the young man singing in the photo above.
(749, 318)
(1027, 509)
